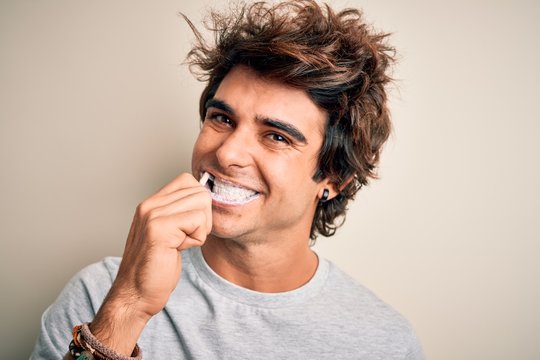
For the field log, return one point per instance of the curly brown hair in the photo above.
(341, 62)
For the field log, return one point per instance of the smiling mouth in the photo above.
(226, 192)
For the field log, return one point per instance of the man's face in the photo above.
(260, 140)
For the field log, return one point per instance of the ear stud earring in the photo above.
(325, 195)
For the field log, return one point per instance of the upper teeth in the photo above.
(231, 193)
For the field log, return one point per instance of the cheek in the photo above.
(203, 144)
(289, 175)
(195, 154)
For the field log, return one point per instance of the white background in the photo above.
(97, 113)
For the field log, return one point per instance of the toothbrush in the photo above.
(204, 178)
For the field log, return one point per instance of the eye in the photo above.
(222, 119)
(278, 138)
(219, 119)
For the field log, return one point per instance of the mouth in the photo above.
(229, 193)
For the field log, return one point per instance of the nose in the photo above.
(236, 149)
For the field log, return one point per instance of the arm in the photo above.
(177, 217)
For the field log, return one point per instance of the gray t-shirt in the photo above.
(207, 317)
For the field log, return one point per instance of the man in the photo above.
(218, 263)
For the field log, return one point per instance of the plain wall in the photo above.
(97, 112)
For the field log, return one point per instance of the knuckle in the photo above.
(143, 208)
(202, 221)
(187, 178)
(197, 214)
(152, 214)
(202, 215)
(139, 211)
(194, 219)
(185, 175)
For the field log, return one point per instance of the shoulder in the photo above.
(104, 270)
(77, 303)
(89, 286)
(351, 294)
(93, 280)
(366, 316)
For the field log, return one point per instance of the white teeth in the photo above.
(231, 194)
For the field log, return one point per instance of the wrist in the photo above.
(118, 325)
(86, 346)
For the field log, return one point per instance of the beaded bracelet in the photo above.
(85, 346)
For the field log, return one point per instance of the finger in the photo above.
(194, 227)
(158, 201)
(189, 243)
(171, 231)
(198, 200)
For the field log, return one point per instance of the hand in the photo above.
(177, 217)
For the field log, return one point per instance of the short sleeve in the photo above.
(77, 303)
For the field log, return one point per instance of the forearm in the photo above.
(174, 219)
(118, 325)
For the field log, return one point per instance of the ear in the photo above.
(333, 190)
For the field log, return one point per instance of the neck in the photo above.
(262, 267)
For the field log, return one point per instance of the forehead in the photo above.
(251, 95)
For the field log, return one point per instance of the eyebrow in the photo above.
(284, 126)
(218, 104)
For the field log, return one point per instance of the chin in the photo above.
(224, 231)
(231, 233)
